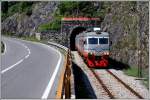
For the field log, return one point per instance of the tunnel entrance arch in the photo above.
(73, 35)
(72, 26)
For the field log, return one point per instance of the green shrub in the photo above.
(16, 7)
(54, 25)
(132, 71)
(28, 11)
(8, 34)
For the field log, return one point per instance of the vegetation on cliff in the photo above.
(10, 8)
(75, 9)
(63, 9)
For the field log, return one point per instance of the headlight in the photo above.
(86, 50)
(92, 51)
(106, 53)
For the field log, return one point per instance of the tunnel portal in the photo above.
(72, 26)
(75, 32)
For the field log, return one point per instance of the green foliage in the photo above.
(4, 16)
(4, 6)
(8, 34)
(74, 9)
(13, 9)
(132, 71)
(10, 8)
(30, 38)
(54, 25)
(80, 8)
(67, 8)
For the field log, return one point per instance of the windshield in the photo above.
(103, 40)
(93, 41)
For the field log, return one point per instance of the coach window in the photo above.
(93, 41)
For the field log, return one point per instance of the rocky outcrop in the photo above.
(128, 25)
(27, 25)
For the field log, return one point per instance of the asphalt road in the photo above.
(29, 70)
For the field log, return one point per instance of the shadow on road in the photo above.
(83, 88)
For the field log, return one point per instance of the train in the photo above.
(93, 46)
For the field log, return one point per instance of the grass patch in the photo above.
(54, 25)
(30, 38)
(2, 47)
(133, 71)
(146, 76)
(146, 82)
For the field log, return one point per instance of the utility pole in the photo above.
(139, 44)
(139, 36)
(61, 31)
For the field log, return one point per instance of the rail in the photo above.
(64, 86)
(103, 85)
(127, 86)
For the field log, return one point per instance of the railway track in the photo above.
(125, 85)
(106, 86)
(109, 91)
(103, 85)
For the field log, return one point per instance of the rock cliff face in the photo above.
(128, 25)
(26, 25)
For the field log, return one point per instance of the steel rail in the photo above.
(127, 86)
(103, 85)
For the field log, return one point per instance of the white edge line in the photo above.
(26, 56)
(49, 86)
(3, 71)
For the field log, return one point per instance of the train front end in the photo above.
(97, 50)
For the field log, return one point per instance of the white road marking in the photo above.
(29, 51)
(26, 56)
(49, 86)
(3, 71)
(12, 66)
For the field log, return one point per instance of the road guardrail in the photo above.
(64, 84)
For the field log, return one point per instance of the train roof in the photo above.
(93, 34)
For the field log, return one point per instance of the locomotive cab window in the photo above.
(92, 40)
(103, 40)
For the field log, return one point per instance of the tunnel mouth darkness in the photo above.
(75, 32)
